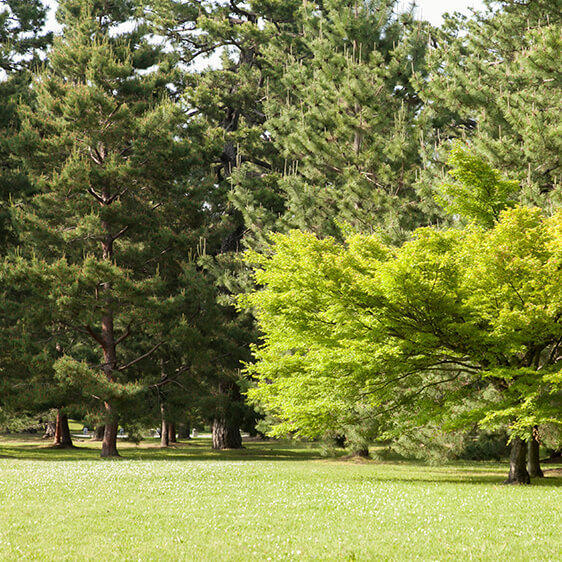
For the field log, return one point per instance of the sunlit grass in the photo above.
(269, 501)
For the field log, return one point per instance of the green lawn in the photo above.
(268, 502)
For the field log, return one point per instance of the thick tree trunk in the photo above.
(184, 430)
(109, 443)
(534, 465)
(226, 435)
(63, 438)
(172, 432)
(97, 434)
(518, 463)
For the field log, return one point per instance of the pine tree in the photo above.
(243, 106)
(116, 214)
(495, 80)
(21, 42)
(346, 119)
(228, 102)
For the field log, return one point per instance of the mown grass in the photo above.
(270, 501)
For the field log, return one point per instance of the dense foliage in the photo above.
(361, 324)
(151, 142)
(457, 326)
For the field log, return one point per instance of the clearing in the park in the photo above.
(269, 501)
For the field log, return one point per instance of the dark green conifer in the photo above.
(496, 81)
(115, 216)
(21, 41)
(345, 119)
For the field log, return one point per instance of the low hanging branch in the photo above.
(97, 337)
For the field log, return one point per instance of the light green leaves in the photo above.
(359, 323)
(478, 192)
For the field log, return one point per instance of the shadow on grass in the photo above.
(149, 450)
(461, 472)
(483, 479)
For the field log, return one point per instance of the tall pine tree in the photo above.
(228, 102)
(22, 40)
(345, 119)
(115, 213)
(495, 80)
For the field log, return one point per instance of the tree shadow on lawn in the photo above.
(190, 451)
(412, 472)
(470, 479)
(461, 472)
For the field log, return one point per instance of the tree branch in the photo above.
(97, 337)
(125, 335)
(98, 197)
(144, 356)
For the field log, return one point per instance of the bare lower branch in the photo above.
(144, 356)
(96, 196)
(97, 337)
(120, 233)
(124, 336)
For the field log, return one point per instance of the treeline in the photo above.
(151, 143)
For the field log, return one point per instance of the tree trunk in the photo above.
(184, 430)
(172, 432)
(97, 434)
(339, 441)
(63, 438)
(109, 443)
(555, 455)
(226, 435)
(164, 435)
(108, 343)
(518, 463)
(534, 465)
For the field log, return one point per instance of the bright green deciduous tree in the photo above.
(478, 192)
(360, 325)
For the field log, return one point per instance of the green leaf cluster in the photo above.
(447, 315)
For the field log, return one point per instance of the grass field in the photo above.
(270, 501)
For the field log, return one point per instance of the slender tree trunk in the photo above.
(63, 438)
(555, 455)
(534, 465)
(518, 463)
(172, 432)
(362, 452)
(339, 441)
(226, 435)
(97, 434)
(164, 435)
(109, 443)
